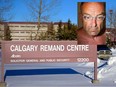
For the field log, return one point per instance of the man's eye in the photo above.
(100, 18)
(87, 17)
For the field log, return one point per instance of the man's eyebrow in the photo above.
(101, 14)
(86, 14)
(96, 15)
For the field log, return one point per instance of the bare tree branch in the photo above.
(111, 16)
(5, 7)
(41, 10)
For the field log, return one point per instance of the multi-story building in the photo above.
(1, 31)
(26, 30)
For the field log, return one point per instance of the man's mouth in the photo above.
(93, 31)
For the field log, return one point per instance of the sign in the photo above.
(21, 52)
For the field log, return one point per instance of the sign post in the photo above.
(17, 52)
(95, 80)
(2, 83)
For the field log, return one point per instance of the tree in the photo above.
(73, 33)
(67, 31)
(69, 24)
(111, 18)
(51, 33)
(5, 8)
(7, 33)
(59, 33)
(42, 10)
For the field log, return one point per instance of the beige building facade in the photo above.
(26, 30)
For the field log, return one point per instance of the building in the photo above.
(26, 30)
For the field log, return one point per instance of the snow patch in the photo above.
(109, 71)
(105, 72)
(112, 61)
(115, 81)
(113, 50)
(89, 74)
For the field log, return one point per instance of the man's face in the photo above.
(93, 16)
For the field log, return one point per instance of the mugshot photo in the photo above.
(91, 23)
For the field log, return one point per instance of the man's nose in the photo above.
(94, 22)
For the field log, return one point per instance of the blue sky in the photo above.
(67, 10)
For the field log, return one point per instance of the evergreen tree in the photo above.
(67, 32)
(69, 24)
(51, 32)
(59, 32)
(7, 33)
